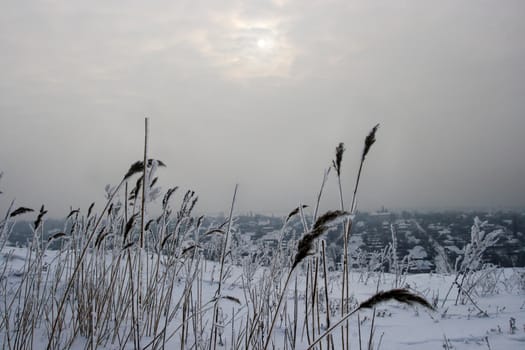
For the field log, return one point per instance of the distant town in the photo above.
(414, 241)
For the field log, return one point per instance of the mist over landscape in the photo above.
(260, 93)
(280, 174)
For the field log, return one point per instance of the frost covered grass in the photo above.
(125, 278)
(395, 325)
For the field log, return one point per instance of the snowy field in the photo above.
(493, 319)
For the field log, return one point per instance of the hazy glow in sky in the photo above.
(259, 93)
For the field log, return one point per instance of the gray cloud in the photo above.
(260, 94)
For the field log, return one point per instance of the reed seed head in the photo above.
(217, 230)
(369, 141)
(138, 167)
(154, 181)
(228, 297)
(199, 221)
(55, 236)
(167, 197)
(331, 218)
(339, 150)
(129, 226)
(401, 295)
(90, 209)
(20, 211)
(165, 240)
(148, 224)
(324, 222)
(294, 212)
(103, 234)
(190, 248)
(129, 245)
(38, 220)
(73, 212)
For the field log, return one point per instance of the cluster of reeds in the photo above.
(124, 277)
(316, 297)
(469, 267)
(112, 281)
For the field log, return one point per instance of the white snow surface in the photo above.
(397, 326)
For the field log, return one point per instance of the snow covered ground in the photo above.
(496, 319)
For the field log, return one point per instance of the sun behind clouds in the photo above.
(243, 49)
(265, 44)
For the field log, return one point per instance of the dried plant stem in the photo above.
(313, 295)
(354, 196)
(329, 343)
(318, 202)
(359, 331)
(72, 278)
(371, 335)
(345, 285)
(369, 141)
(134, 312)
(283, 293)
(316, 298)
(145, 183)
(337, 163)
(306, 290)
(400, 295)
(331, 329)
(304, 246)
(218, 294)
(295, 312)
(303, 219)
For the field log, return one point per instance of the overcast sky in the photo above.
(259, 93)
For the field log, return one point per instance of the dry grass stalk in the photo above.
(304, 247)
(56, 236)
(129, 226)
(400, 295)
(79, 263)
(331, 218)
(38, 220)
(228, 297)
(98, 295)
(20, 211)
(318, 202)
(344, 290)
(325, 221)
(369, 141)
(216, 230)
(329, 342)
(336, 163)
(90, 209)
(167, 197)
(213, 333)
(138, 167)
(294, 212)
